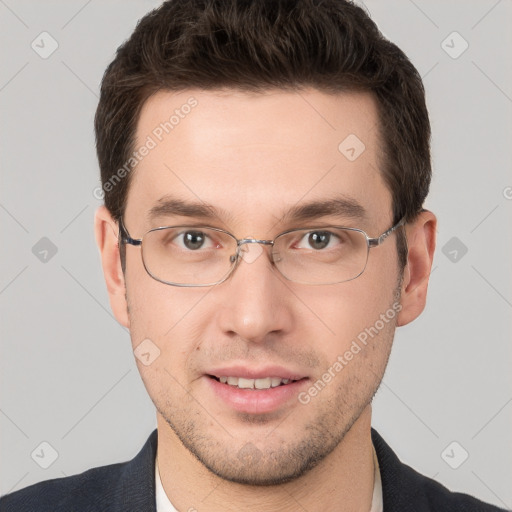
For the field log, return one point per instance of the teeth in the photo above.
(263, 383)
(245, 383)
(266, 383)
(275, 382)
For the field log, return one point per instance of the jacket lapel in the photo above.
(136, 485)
(402, 487)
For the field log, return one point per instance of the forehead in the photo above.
(256, 155)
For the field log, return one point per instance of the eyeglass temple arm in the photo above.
(374, 242)
(125, 238)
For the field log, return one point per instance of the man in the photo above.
(264, 166)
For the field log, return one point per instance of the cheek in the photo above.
(166, 319)
(350, 307)
(164, 334)
(154, 307)
(338, 314)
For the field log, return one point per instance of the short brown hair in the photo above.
(330, 45)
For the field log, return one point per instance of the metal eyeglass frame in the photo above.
(125, 238)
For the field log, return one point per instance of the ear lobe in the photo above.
(421, 242)
(106, 232)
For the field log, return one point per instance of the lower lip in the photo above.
(256, 401)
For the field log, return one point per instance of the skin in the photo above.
(255, 156)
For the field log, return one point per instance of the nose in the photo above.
(256, 303)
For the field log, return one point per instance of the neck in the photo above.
(342, 481)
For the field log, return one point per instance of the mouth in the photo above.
(253, 391)
(255, 384)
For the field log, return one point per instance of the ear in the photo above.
(421, 242)
(106, 231)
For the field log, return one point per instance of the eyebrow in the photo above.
(169, 206)
(343, 207)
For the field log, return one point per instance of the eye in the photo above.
(318, 240)
(193, 240)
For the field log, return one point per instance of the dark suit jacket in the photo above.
(130, 487)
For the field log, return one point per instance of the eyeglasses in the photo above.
(206, 256)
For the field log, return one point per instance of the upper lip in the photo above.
(246, 372)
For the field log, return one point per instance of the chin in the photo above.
(276, 460)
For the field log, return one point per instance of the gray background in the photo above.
(68, 376)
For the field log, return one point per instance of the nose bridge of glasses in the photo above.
(249, 256)
(250, 240)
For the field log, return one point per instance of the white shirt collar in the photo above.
(163, 503)
(377, 501)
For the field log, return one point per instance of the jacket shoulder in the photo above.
(77, 493)
(406, 490)
(438, 497)
(122, 487)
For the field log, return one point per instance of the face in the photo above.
(252, 159)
